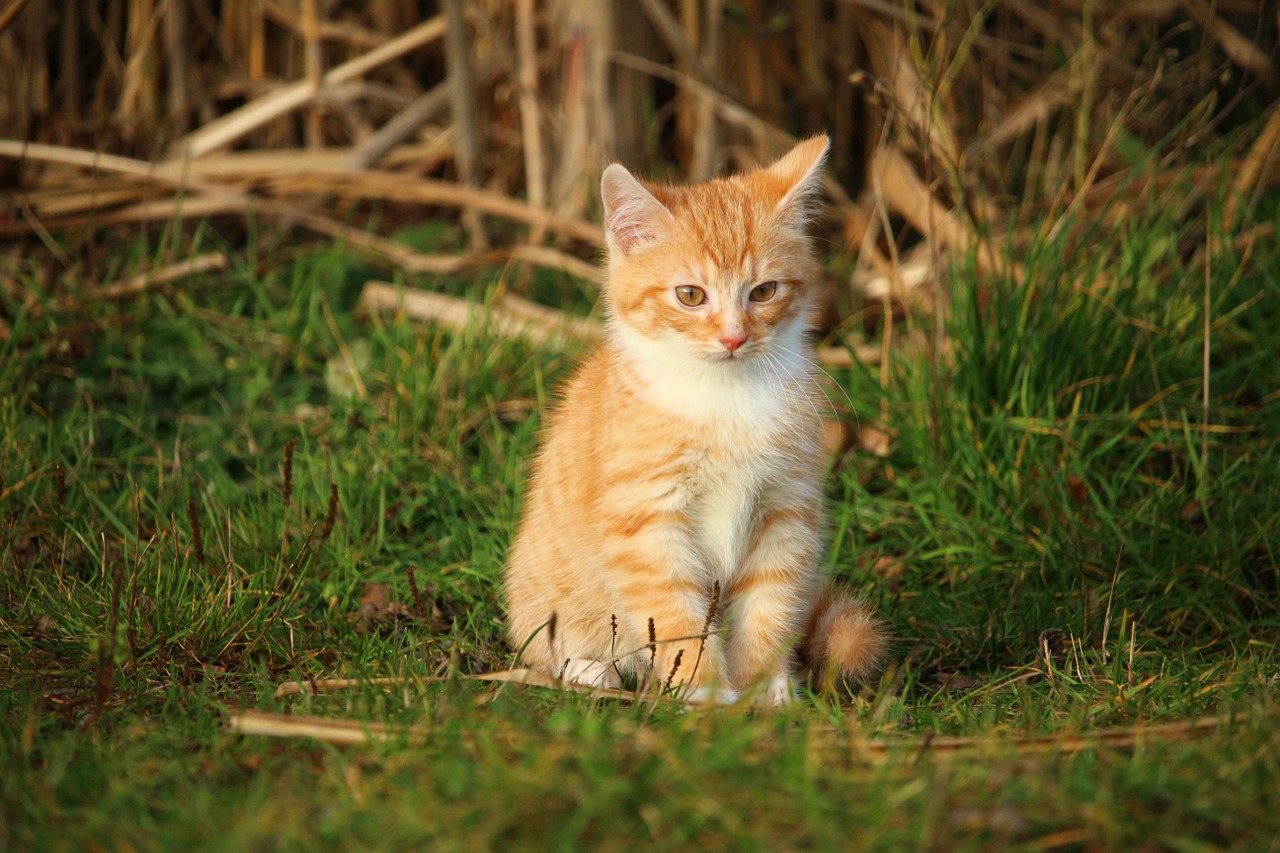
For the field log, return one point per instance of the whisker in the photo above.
(813, 362)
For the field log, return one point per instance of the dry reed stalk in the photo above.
(366, 185)
(225, 199)
(586, 130)
(237, 123)
(1234, 44)
(68, 57)
(346, 31)
(1256, 173)
(256, 19)
(686, 104)
(9, 14)
(535, 180)
(52, 200)
(544, 256)
(395, 187)
(764, 135)
(912, 99)
(253, 164)
(1052, 94)
(702, 156)
(177, 49)
(314, 69)
(404, 124)
(148, 210)
(907, 194)
(20, 150)
(463, 100)
(138, 92)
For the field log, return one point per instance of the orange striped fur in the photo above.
(685, 454)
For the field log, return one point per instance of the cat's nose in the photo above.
(733, 340)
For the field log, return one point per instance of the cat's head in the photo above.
(721, 271)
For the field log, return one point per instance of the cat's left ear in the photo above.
(799, 172)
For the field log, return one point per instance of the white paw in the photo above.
(712, 696)
(781, 690)
(592, 673)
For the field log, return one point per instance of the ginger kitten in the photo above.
(685, 455)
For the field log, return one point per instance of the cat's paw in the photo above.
(712, 696)
(778, 691)
(591, 673)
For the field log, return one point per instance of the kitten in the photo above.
(686, 456)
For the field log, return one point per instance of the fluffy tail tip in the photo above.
(845, 642)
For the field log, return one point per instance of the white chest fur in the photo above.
(751, 419)
(725, 509)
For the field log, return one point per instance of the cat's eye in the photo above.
(690, 295)
(763, 292)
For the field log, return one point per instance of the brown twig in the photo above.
(511, 317)
(165, 275)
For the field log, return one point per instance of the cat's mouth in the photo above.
(725, 355)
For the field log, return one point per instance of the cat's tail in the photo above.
(844, 640)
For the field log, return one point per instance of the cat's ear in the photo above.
(632, 216)
(799, 172)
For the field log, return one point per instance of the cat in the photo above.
(679, 482)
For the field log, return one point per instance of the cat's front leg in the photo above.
(768, 598)
(662, 595)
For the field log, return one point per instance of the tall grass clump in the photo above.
(1067, 460)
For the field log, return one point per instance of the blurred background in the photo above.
(961, 129)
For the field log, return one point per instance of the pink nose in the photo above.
(733, 340)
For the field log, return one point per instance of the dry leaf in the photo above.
(1078, 489)
(955, 681)
(378, 612)
(1051, 646)
(875, 440)
(835, 437)
(889, 567)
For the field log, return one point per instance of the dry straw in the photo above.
(960, 128)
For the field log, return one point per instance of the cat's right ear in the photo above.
(632, 216)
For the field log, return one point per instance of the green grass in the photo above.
(1057, 484)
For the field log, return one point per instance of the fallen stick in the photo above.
(510, 317)
(214, 197)
(529, 677)
(395, 187)
(155, 278)
(347, 732)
